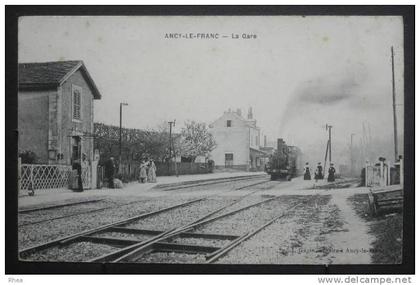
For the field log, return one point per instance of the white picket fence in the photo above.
(42, 176)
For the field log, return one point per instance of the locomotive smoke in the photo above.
(318, 93)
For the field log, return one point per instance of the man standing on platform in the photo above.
(109, 172)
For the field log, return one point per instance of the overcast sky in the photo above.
(298, 74)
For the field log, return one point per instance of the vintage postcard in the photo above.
(275, 140)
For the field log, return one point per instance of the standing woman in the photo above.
(331, 173)
(307, 172)
(152, 172)
(143, 172)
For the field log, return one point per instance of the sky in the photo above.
(298, 74)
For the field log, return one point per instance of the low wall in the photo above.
(241, 167)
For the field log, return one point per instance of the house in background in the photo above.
(55, 111)
(238, 142)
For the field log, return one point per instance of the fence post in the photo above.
(19, 173)
(366, 174)
(382, 176)
(402, 171)
(31, 177)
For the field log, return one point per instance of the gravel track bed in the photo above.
(179, 217)
(244, 221)
(60, 203)
(32, 217)
(214, 188)
(172, 257)
(140, 237)
(76, 252)
(243, 203)
(40, 233)
(296, 239)
(200, 241)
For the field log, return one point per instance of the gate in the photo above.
(38, 176)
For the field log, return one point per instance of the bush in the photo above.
(28, 156)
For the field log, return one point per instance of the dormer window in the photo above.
(229, 123)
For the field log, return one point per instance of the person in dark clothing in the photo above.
(109, 172)
(307, 172)
(331, 173)
(77, 166)
(363, 177)
(319, 175)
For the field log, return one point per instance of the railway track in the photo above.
(60, 242)
(133, 250)
(24, 212)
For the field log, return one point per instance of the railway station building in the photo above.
(238, 142)
(55, 111)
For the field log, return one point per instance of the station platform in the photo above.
(45, 196)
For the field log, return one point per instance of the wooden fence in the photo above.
(130, 171)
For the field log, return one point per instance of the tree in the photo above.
(136, 144)
(195, 140)
(28, 156)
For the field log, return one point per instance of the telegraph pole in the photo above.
(120, 152)
(328, 127)
(393, 107)
(170, 145)
(328, 149)
(351, 155)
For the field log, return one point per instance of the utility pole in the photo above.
(328, 149)
(351, 155)
(329, 140)
(119, 160)
(170, 144)
(393, 107)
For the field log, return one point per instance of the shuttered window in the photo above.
(77, 103)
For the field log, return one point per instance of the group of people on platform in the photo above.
(147, 171)
(319, 174)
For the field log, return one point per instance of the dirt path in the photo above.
(351, 244)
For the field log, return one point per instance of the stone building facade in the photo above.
(55, 111)
(238, 142)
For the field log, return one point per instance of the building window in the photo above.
(228, 160)
(229, 123)
(76, 102)
(256, 140)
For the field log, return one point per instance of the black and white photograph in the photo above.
(227, 140)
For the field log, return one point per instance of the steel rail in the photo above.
(25, 211)
(80, 213)
(216, 255)
(258, 183)
(72, 237)
(162, 235)
(182, 235)
(227, 180)
(149, 242)
(145, 246)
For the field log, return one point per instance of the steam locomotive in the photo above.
(285, 163)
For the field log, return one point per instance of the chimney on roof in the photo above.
(250, 113)
(239, 112)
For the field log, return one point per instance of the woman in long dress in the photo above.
(152, 172)
(143, 172)
(306, 172)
